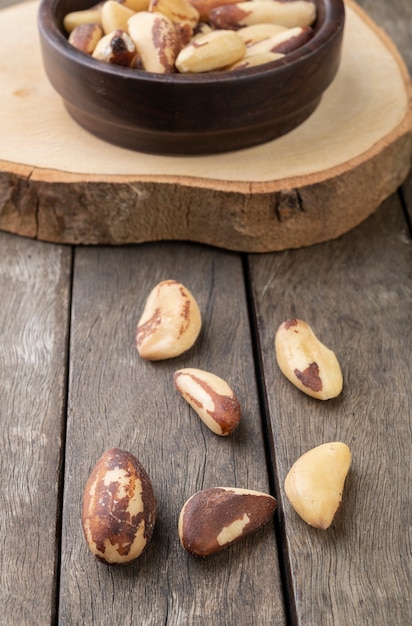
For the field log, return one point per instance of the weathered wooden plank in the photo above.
(34, 292)
(117, 399)
(356, 293)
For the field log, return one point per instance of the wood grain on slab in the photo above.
(59, 183)
(35, 290)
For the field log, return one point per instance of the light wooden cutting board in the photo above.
(59, 183)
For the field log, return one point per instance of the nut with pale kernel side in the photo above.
(211, 397)
(289, 14)
(215, 518)
(282, 42)
(307, 362)
(135, 5)
(178, 11)
(205, 6)
(252, 60)
(156, 41)
(314, 484)
(88, 16)
(258, 32)
(119, 508)
(85, 37)
(115, 16)
(170, 322)
(211, 51)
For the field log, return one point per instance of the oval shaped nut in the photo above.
(213, 519)
(119, 508)
(116, 48)
(292, 39)
(89, 16)
(212, 51)
(85, 37)
(257, 32)
(306, 362)
(136, 5)
(205, 6)
(253, 60)
(289, 14)
(115, 16)
(170, 323)
(178, 11)
(284, 42)
(156, 41)
(211, 397)
(314, 484)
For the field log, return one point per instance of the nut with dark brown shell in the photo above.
(215, 518)
(119, 508)
(211, 397)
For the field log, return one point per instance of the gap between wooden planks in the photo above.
(59, 183)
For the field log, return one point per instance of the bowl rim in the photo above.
(50, 30)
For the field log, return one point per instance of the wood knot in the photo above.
(288, 203)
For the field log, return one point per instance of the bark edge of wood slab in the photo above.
(60, 206)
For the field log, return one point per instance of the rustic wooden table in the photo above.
(72, 385)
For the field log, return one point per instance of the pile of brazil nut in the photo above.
(119, 505)
(191, 36)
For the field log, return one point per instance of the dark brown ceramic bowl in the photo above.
(190, 114)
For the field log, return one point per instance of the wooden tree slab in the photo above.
(59, 183)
